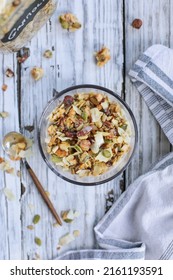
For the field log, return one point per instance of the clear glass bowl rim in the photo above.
(97, 87)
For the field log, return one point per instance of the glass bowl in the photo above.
(113, 171)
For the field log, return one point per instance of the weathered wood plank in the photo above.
(10, 229)
(72, 63)
(155, 30)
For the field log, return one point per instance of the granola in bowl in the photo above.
(87, 134)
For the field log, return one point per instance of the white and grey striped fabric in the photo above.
(153, 76)
(140, 223)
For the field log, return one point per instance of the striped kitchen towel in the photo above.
(153, 76)
(140, 223)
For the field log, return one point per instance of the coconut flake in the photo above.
(9, 195)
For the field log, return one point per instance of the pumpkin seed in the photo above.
(106, 153)
(38, 241)
(36, 219)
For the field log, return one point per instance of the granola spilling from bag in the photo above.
(87, 134)
(103, 56)
(70, 22)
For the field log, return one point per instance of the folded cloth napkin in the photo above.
(153, 76)
(140, 223)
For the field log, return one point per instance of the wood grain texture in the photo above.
(103, 23)
(72, 63)
(155, 30)
(10, 223)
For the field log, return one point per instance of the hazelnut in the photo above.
(4, 87)
(16, 3)
(137, 23)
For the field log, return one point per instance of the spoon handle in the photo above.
(43, 193)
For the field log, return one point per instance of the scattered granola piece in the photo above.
(6, 167)
(23, 55)
(76, 233)
(4, 115)
(69, 216)
(47, 193)
(9, 195)
(4, 87)
(48, 54)
(36, 219)
(9, 73)
(137, 23)
(56, 225)
(30, 227)
(37, 73)
(103, 56)
(16, 3)
(70, 22)
(66, 239)
(38, 241)
(21, 149)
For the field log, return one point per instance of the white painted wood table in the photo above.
(105, 22)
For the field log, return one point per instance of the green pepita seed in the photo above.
(106, 153)
(124, 126)
(38, 241)
(55, 159)
(36, 219)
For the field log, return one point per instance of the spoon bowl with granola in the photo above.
(87, 135)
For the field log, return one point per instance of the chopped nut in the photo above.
(69, 216)
(66, 239)
(6, 167)
(85, 145)
(36, 219)
(4, 87)
(48, 54)
(31, 227)
(47, 193)
(103, 56)
(60, 153)
(9, 73)
(64, 146)
(70, 22)
(4, 115)
(38, 241)
(37, 73)
(24, 54)
(76, 233)
(137, 23)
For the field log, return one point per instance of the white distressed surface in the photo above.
(73, 63)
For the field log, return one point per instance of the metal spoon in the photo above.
(13, 138)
